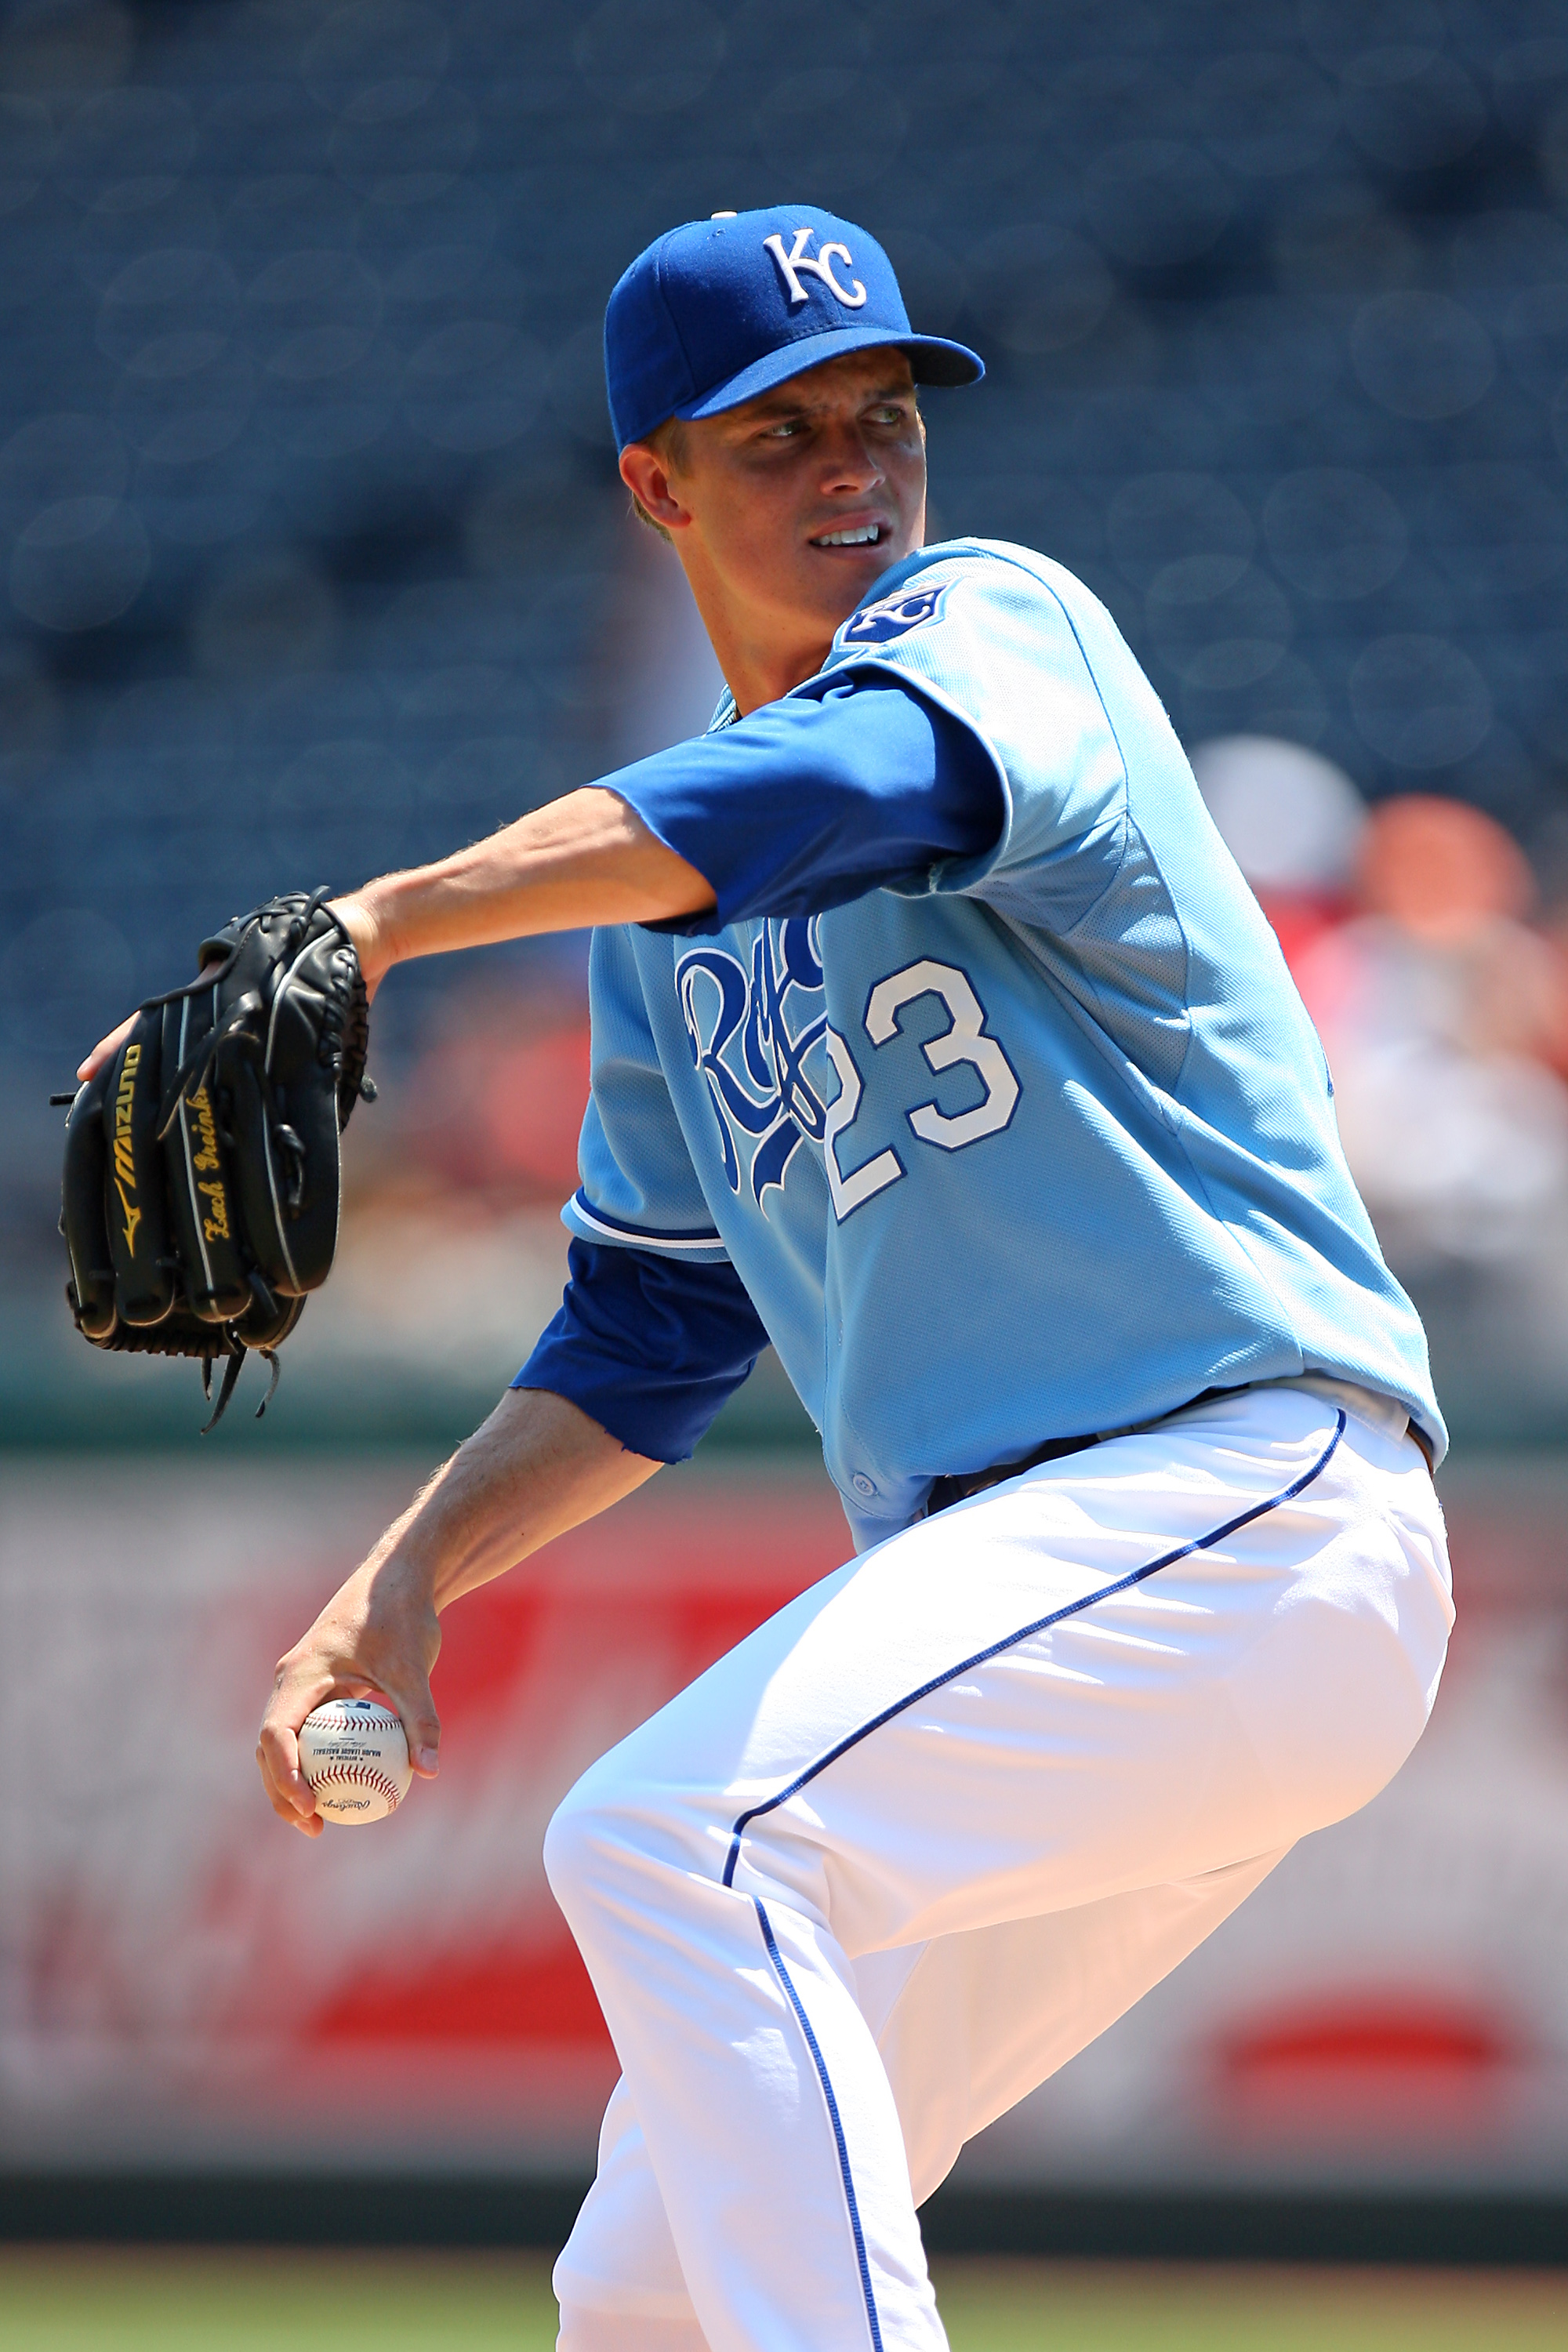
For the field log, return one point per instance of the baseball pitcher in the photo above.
(937, 1041)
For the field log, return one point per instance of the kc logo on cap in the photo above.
(719, 311)
(791, 264)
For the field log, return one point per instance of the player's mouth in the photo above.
(855, 534)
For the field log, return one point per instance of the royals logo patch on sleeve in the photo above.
(893, 616)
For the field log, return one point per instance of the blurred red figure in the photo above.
(496, 1108)
(1448, 876)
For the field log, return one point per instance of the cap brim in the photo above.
(932, 360)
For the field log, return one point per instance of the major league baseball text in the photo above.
(355, 1754)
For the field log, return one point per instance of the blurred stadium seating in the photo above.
(314, 554)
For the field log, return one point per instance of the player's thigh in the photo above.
(850, 1654)
(1257, 1688)
(969, 2024)
(1145, 1663)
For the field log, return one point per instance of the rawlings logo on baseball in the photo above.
(354, 1755)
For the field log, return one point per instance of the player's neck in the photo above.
(756, 675)
(761, 653)
(768, 631)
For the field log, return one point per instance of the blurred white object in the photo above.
(1291, 820)
(1459, 1153)
(1441, 1011)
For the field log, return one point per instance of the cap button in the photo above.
(723, 215)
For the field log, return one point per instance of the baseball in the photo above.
(354, 1755)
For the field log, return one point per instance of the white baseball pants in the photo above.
(925, 1834)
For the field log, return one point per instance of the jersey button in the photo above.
(862, 1485)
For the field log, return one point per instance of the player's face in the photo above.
(786, 509)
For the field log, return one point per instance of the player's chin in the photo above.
(839, 577)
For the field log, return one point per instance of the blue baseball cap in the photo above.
(721, 309)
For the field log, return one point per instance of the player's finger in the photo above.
(105, 1048)
(311, 1824)
(410, 1695)
(286, 1791)
(109, 1046)
(277, 1753)
(276, 1796)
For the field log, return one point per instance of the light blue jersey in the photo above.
(1037, 1144)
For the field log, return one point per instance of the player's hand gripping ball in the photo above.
(354, 1755)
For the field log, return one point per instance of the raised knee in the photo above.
(602, 1833)
(617, 1830)
(578, 1844)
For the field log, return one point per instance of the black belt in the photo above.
(945, 1492)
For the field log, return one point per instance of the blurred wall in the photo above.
(186, 1981)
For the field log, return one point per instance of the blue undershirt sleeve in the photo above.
(812, 801)
(648, 1347)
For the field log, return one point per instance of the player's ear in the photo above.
(644, 474)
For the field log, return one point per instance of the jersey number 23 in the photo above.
(963, 1040)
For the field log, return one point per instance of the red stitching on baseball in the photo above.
(356, 1775)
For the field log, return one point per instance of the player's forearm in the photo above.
(536, 1467)
(584, 860)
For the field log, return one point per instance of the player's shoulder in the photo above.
(984, 590)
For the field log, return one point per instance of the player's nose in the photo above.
(849, 461)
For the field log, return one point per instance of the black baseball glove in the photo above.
(202, 1172)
